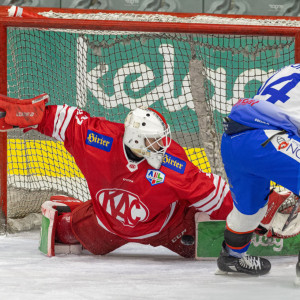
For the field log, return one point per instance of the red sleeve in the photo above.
(206, 192)
(66, 124)
(209, 193)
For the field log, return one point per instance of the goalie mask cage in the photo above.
(192, 68)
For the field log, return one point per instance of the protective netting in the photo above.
(192, 79)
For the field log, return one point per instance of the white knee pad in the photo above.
(239, 222)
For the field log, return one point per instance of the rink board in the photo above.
(211, 234)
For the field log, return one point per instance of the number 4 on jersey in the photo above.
(285, 85)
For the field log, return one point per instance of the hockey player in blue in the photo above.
(261, 143)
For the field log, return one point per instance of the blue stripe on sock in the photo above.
(237, 252)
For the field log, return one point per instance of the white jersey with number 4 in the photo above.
(276, 105)
(283, 90)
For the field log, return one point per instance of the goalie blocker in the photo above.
(57, 236)
(16, 113)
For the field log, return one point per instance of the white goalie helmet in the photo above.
(147, 134)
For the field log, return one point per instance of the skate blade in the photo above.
(220, 272)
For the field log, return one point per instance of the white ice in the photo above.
(132, 272)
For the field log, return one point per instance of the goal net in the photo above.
(190, 68)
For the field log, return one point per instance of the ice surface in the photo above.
(132, 272)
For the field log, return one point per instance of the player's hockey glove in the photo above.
(278, 221)
(16, 113)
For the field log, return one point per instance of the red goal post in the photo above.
(198, 45)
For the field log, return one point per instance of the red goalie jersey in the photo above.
(132, 199)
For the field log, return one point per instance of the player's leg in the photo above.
(279, 161)
(250, 167)
(180, 237)
(240, 225)
(250, 196)
(91, 235)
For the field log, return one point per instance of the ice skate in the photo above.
(252, 265)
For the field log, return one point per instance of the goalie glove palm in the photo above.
(21, 113)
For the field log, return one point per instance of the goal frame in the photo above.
(112, 25)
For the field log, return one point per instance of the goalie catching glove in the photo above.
(16, 113)
(280, 220)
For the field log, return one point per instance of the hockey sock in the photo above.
(237, 243)
(237, 252)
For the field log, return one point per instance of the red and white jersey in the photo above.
(133, 200)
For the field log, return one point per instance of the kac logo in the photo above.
(155, 177)
(123, 205)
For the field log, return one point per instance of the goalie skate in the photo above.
(251, 265)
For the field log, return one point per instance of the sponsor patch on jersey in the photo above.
(174, 163)
(99, 141)
(284, 144)
(155, 177)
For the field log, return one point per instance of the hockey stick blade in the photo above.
(292, 215)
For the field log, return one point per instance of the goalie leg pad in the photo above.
(70, 202)
(279, 207)
(49, 220)
(53, 220)
(179, 237)
(63, 232)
